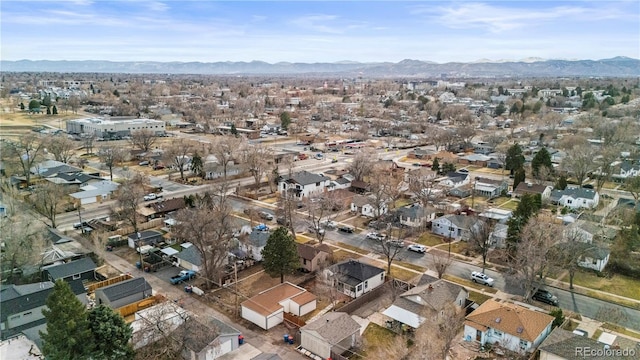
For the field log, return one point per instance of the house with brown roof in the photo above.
(507, 325)
(312, 257)
(161, 208)
(412, 307)
(268, 307)
(535, 189)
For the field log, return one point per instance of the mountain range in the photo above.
(531, 67)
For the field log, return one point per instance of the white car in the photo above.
(480, 278)
(329, 224)
(375, 236)
(152, 196)
(417, 248)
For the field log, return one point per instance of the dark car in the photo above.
(346, 228)
(545, 297)
(266, 216)
(282, 221)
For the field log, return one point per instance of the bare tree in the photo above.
(178, 155)
(391, 246)
(568, 253)
(25, 152)
(532, 258)
(384, 189)
(61, 147)
(579, 162)
(87, 142)
(143, 139)
(257, 159)
(480, 238)
(208, 226)
(632, 185)
(128, 198)
(23, 243)
(225, 149)
(320, 210)
(604, 163)
(46, 200)
(111, 155)
(435, 336)
(362, 164)
(441, 262)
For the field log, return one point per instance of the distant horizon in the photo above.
(318, 31)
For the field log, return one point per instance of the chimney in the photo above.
(430, 287)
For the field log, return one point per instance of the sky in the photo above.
(317, 31)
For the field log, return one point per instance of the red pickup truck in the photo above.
(303, 156)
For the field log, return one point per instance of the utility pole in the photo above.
(235, 285)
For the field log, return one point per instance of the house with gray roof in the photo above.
(332, 333)
(455, 179)
(303, 184)
(575, 198)
(21, 307)
(81, 269)
(489, 187)
(207, 339)
(146, 237)
(256, 241)
(566, 345)
(354, 278)
(457, 227)
(413, 306)
(189, 257)
(626, 169)
(123, 293)
(94, 192)
(415, 215)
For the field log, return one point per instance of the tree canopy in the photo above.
(542, 159)
(68, 334)
(280, 254)
(111, 334)
(285, 120)
(514, 159)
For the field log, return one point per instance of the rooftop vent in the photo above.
(498, 320)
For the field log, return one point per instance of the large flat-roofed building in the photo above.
(107, 128)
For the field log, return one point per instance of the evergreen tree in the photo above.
(197, 166)
(436, 165)
(518, 177)
(34, 105)
(514, 159)
(111, 334)
(527, 207)
(448, 167)
(280, 254)
(285, 120)
(500, 109)
(21, 106)
(542, 158)
(54, 110)
(561, 184)
(233, 130)
(68, 333)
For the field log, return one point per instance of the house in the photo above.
(412, 307)
(256, 241)
(455, 179)
(595, 258)
(453, 226)
(625, 169)
(489, 187)
(415, 215)
(461, 191)
(510, 326)
(474, 159)
(81, 269)
(566, 345)
(498, 215)
(340, 183)
(313, 257)
(575, 198)
(52, 168)
(303, 184)
(587, 231)
(161, 208)
(95, 192)
(72, 178)
(217, 171)
(206, 341)
(123, 293)
(498, 237)
(533, 189)
(21, 307)
(147, 237)
(332, 333)
(360, 187)
(153, 323)
(189, 257)
(355, 278)
(268, 307)
(483, 148)
(366, 206)
(495, 162)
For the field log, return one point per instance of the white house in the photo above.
(457, 227)
(333, 332)
(415, 215)
(576, 198)
(354, 278)
(256, 242)
(455, 179)
(304, 184)
(189, 257)
(534, 189)
(340, 183)
(411, 307)
(366, 206)
(595, 258)
(94, 192)
(268, 307)
(625, 170)
(510, 326)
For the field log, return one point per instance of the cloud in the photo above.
(318, 23)
(157, 6)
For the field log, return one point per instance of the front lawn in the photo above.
(477, 297)
(379, 340)
(469, 284)
(429, 239)
(617, 284)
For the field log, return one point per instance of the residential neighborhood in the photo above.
(342, 218)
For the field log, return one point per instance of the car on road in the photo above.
(346, 228)
(480, 278)
(329, 224)
(266, 216)
(143, 163)
(374, 236)
(312, 229)
(395, 243)
(152, 196)
(319, 156)
(80, 225)
(282, 221)
(546, 297)
(261, 227)
(417, 248)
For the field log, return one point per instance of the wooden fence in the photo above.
(126, 230)
(139, 305)
(359, 302)
(92, 287)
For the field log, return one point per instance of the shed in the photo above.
(333, 332)
(83, 269)
(268, 307)
(123, 293)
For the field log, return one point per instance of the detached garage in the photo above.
(94, 192)
(268, 307)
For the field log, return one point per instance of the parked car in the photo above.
(80, 225)
(319, 156)
(374, 236)
(395, 243)
(143, 163)
(329, 224)
(152, 196)
(261, 227)
(313, 230)
(346, 228)
(282, 221)
(480, 278)
(417, 248)
(545, 297)
(266, 216)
